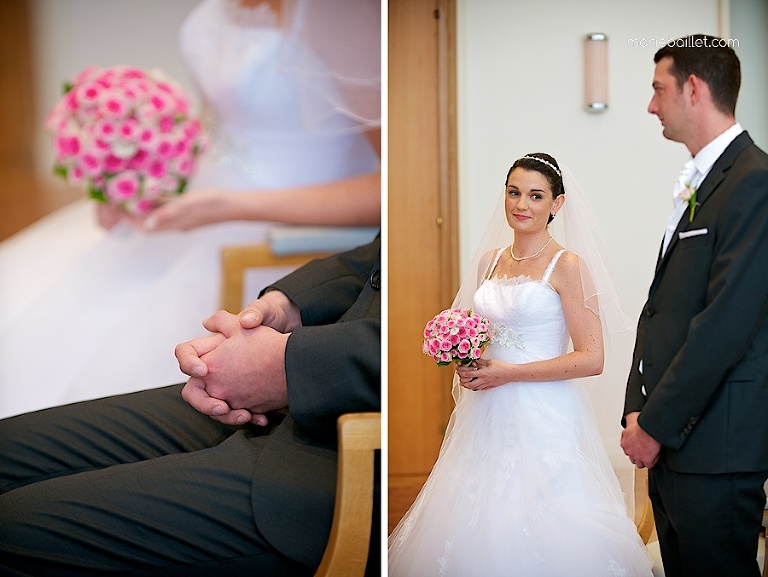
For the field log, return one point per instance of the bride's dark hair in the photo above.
(544, 164)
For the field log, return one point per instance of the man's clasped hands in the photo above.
(237, 374)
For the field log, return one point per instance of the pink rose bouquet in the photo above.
(456, 336)
(125, 136)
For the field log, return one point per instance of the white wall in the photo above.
(69, 35)
(520, 90)
(748, 23)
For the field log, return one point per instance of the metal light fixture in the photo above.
(596, 72)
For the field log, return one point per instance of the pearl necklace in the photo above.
(537, 253)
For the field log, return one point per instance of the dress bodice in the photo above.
(233, 63)
(526, 316)
(254, 109)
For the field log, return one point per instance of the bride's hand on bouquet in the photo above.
(108, 216)
(190, 210)
(481, 374)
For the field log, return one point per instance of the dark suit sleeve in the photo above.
(721, 333)
(333, 362)
(634, 399)
(333, 369)
(325, 289)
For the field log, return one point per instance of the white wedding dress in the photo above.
(85, 313)
(522, 486)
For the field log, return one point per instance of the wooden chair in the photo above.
(235, 260)
(645, 527)
(645, 524)
(346, 553)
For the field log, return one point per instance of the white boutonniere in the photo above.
(688, 194)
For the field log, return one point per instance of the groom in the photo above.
(695, 408)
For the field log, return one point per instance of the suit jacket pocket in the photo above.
(694, 239)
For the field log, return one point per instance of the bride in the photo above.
(523, 485)
(86, 313)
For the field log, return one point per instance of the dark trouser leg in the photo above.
(96, 434)
(134, 484)
(707, 524)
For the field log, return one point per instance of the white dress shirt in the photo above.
(703, 162)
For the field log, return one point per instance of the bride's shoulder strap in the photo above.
(552, 263)
(492, 262)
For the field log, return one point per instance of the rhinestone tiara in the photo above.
(549, 164)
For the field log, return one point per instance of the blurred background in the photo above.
(44, 44)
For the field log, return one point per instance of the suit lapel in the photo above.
(706, 189)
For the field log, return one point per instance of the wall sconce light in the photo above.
(596, 72)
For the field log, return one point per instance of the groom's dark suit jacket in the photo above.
(333, 366)
(703, 332)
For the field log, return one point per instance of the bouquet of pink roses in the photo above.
(456, 336)
(125, 136)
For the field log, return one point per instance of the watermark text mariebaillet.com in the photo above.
(685, 42)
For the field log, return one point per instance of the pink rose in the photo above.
(123, 186)
(164, 148)
(139, 160)
(165, 124)
(153, 188)
(89, 74)
(113, 105)
(91, 164)
(128, 129)
(157, 169)
(87, 95)
(75, 176)
(142, 206)
(147, 136)
(114, 163)
(67, 145)
(105, 130)
(183, 166)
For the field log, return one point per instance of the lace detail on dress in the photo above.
(226, 149)
(616, 568)
(511, 281)
(506, 337)
(444, 561)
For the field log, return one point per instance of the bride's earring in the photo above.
(552, 215)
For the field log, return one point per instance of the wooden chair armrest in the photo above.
(235, 260)
(346, 554)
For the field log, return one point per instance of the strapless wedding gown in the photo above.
(522, 486)
(85, 313)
